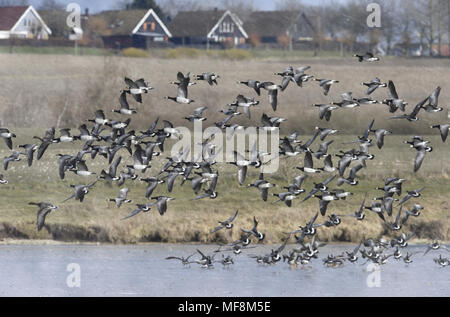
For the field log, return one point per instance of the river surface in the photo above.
(91, 270)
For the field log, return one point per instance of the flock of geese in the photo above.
(108, 137)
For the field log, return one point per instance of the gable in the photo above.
(152, 25)
(228, 26)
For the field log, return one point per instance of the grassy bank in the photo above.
(97, 220)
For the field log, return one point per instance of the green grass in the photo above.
(174, 53)
(88, 51)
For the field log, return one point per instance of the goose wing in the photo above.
(418, 160)
(392, 90)
(123, 101)
(131, 83)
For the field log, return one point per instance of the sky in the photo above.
(100, 5)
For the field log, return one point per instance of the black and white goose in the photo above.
(3, 181)
(44, 209)
(183, 84)
(210, 78)
(394, 103)
(80, 191)
(326, 84)
(245, 103)
(320, 187)
(161, 203)
(6, 135)
(411, 194)
(348, 102)
(435, 245)
(433, 102)
(359, 214)
(271, 123)
(308, 165)
(325, 110)
(412, 117)
(373, 85)
(324, 132)
(367, 57)
(124, 106)
(254, 84)
(81, 169)
(296, 186)
(140, 208)
(29, 152)
(443, 130)
(254, 231)
(121, 197)
(137, 88)
(197, 115)
(111, 175)
(242, 164)
(262, 185)
(14, 157)
(324, 200)
(286, 197)
(100, 118)
(227, 224)
(152, 183)
(300, 77)
(272, 90)
(379, 135)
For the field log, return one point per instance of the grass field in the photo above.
(188, 220)
(35, 88)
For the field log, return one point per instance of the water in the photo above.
(42, 270)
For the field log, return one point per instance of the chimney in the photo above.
(86, 12)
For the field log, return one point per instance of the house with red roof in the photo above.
(22, 22)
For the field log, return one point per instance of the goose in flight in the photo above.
(6, 135)
(326, 84)
(121, 197)
(183, 84)
(368, 57)
(44, 209)
(373, 85)
(226, 223)
(394, 103)
(124, 106)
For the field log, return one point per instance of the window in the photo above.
(153, 26)
(25, 22)
(145, 26)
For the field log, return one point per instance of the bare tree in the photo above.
(172, 7)
(289, 5)
(51, 5)
(4, 3)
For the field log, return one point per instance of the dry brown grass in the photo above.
(35, 87)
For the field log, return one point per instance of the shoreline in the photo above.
(43, 242)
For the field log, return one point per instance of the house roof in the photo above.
(194, 23)
(127, 22)
(121, 22)
(272, 23)
(10, 15)
(56, 19)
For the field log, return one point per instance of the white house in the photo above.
(22, 22)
